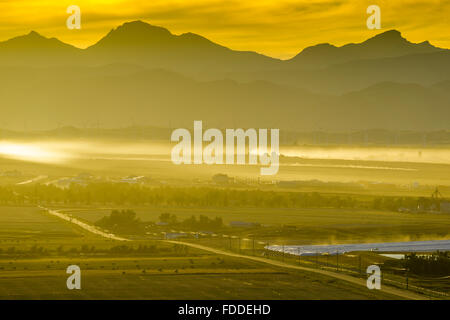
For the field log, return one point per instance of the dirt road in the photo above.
(85, 226)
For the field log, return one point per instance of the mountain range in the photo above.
(145, 74)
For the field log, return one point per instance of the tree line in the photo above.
(436, 264)
(128, 194)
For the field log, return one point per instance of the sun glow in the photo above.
(29, 152)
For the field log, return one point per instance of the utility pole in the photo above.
(239, 242)
(407, 282)
(282, 248)
(360, 270)
(337, 260)
(317, 259)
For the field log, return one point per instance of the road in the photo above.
(85, 226)
(362, 282)
(35, 179)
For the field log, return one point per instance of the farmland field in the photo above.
(165, 274)
(188, 278)
(31, 224)
(311, 225)
(36, 247)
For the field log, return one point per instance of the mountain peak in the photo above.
(34, 41)
(321, 47)
(136, 34)
(35, 34)
(141, 26)
(138, 30)
(391, 36)
(31, 36)
(393, 33)
(390, 43)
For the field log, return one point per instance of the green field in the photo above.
(28, 224)
(308, 226)
(201, 277)
(165, 274)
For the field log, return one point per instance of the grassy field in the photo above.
(165, 274)
(199, 277)
(31, 224)
(352, 263)
(308, 226)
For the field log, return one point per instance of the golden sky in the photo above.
(279, 28)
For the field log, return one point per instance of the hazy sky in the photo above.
(279, 28)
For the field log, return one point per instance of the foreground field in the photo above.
(36, 269)
(190, 278)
